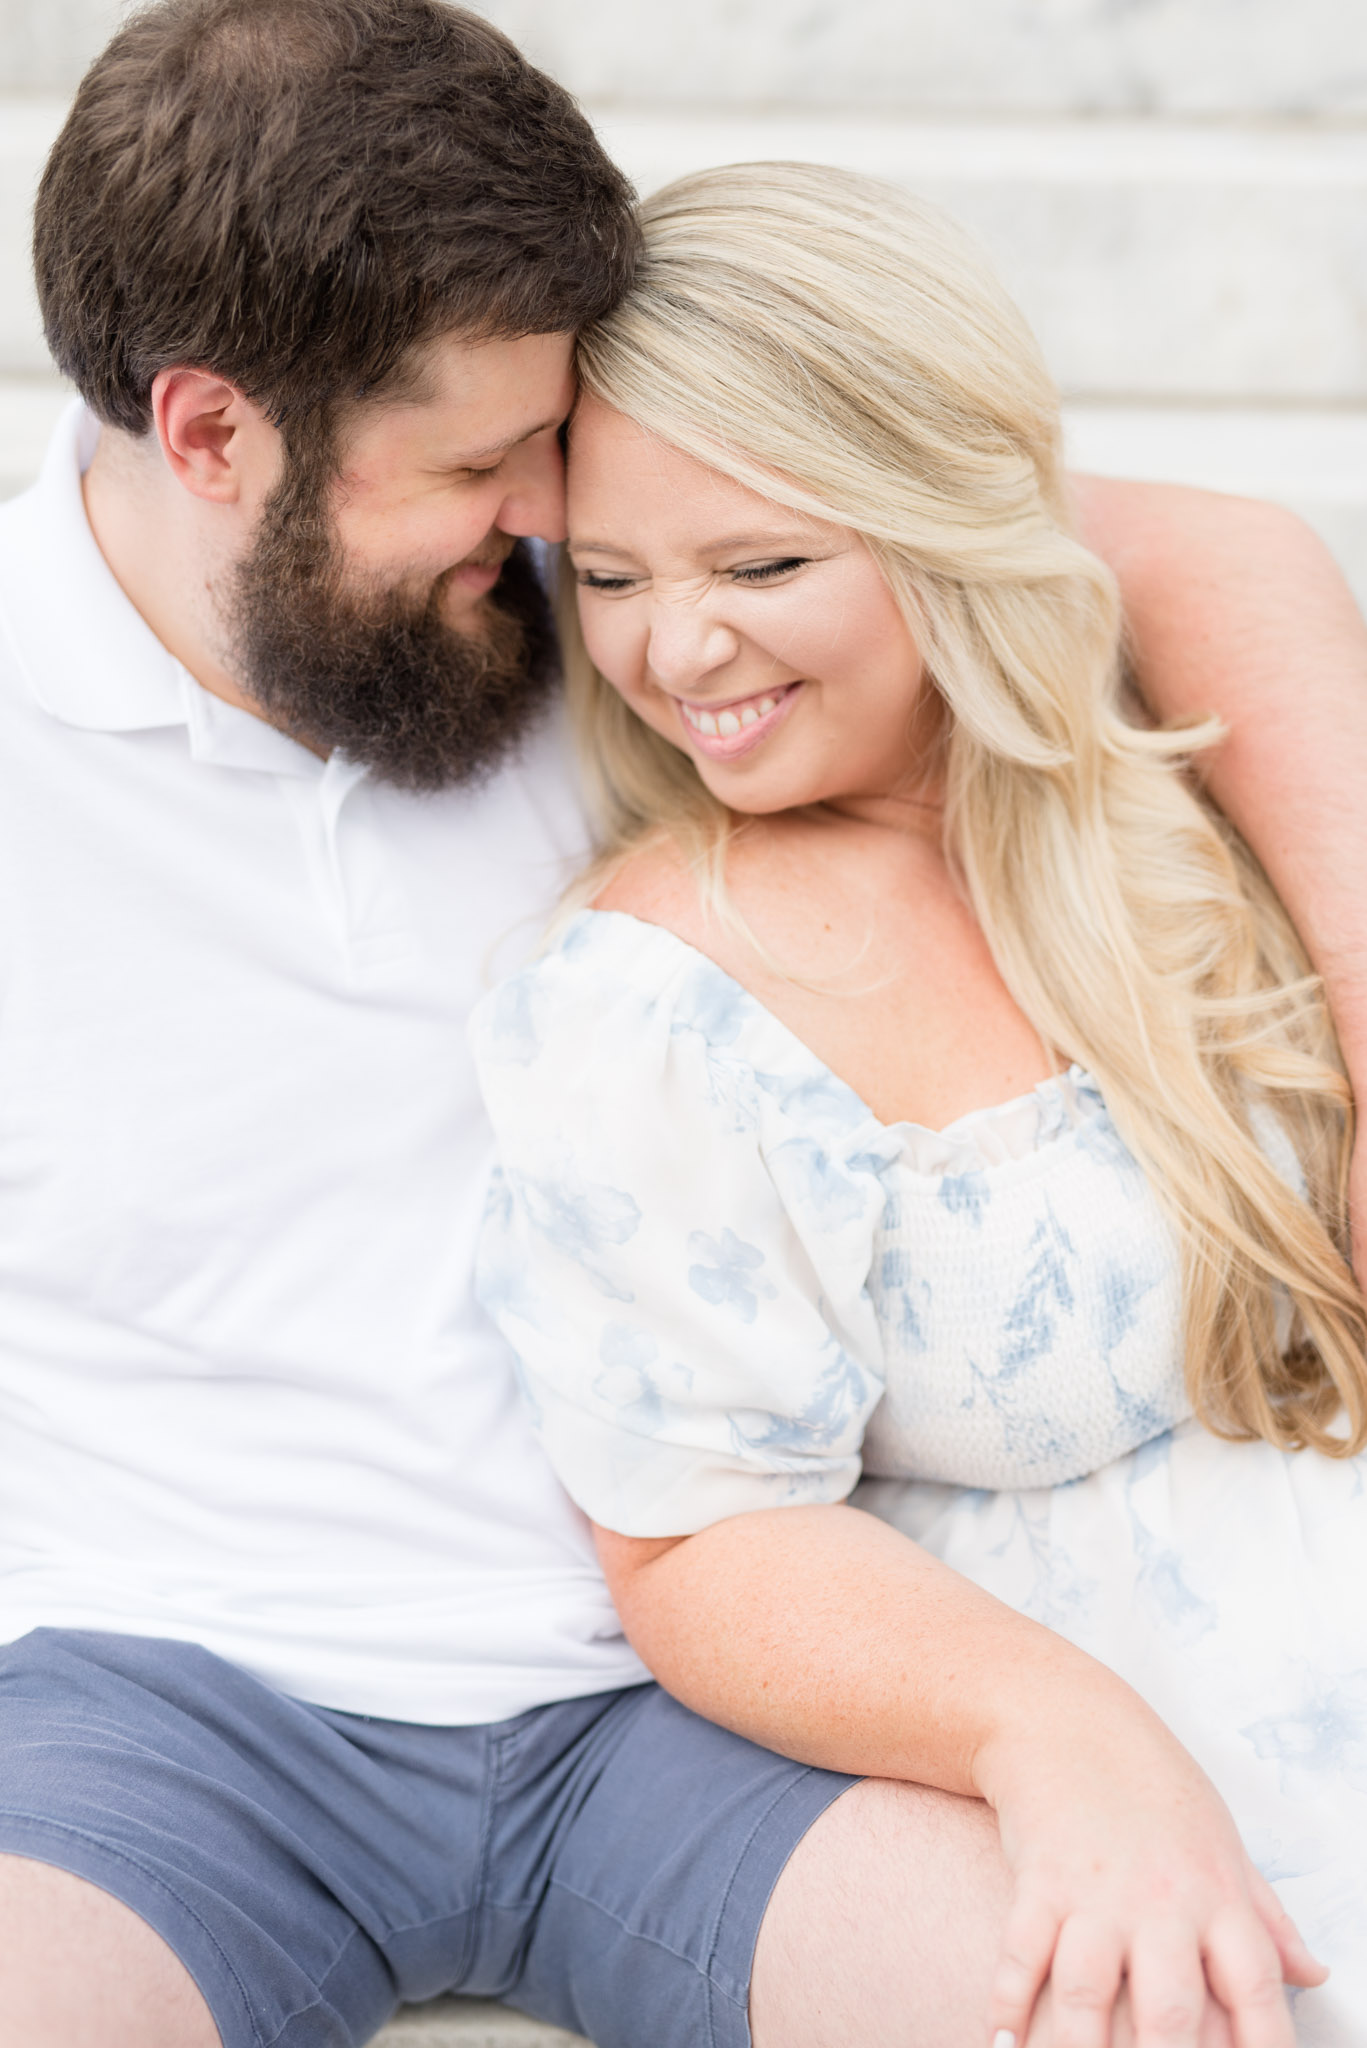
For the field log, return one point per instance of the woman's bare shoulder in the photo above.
(776, 885)
(656, 883)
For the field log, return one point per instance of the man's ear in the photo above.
(218, 444)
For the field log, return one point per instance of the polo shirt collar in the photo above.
(88, 656)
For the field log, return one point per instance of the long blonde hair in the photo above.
(843, 349)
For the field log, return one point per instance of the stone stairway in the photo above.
(470, 2023)
(1174, 190)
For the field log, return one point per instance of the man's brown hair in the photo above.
(297, 194)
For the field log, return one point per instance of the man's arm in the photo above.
(1237, 608)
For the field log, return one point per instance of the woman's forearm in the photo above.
(826, 1635)
(1237, 608)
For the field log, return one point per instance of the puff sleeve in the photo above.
(678, 1235)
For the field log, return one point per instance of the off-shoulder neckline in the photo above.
(1055, 1100)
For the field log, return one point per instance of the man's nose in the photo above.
(688, 643)
(534, 496)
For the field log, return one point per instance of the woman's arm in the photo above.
(824, 1634)
(1237, 608)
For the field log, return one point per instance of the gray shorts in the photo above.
(603, 1863)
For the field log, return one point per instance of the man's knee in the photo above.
(79, 1969)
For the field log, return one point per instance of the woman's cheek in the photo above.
(600, 640)
(617, 651)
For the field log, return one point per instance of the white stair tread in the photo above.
(1165, 260)
(1053, 56)
(471, 2023)
(29, 408)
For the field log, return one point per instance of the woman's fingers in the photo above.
(1171, 1992)
(1089, 1963)
(1168, 1991)
(1244, 1971)
(1027, 1952)
(1298, 1965)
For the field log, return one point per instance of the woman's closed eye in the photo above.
(753, 572)
(765, 572)
(593, 579)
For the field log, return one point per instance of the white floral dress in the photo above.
(730, 1287)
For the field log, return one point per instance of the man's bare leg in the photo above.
(885, 1928)
(78, 1969)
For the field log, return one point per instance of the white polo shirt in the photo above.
(246, 1395)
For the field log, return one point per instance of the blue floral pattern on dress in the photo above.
(727, 1273)
(582, 1218)
(730, 1287)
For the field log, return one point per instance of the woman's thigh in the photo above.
(885, 1929)
(130, 1991)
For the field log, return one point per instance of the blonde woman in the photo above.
(931, 1110)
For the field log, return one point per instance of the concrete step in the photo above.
(1159, 260)
(1312, 459)
(1058, 56)
(471, 2023)
(1165, 261)
(46, 44)
(1203, 57)
(28, 412)
(28, 128)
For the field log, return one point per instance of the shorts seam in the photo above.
(653, 1940)
(319, 1990)
(491, 1778)
(42, 1825)
(704, 1970)
(761, 1821)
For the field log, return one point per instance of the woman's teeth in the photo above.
(722, 724)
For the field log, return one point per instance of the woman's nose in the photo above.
(688, 644)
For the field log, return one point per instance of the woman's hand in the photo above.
(1129, 1871)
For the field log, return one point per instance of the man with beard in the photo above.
(378, 671)
(313, 1699)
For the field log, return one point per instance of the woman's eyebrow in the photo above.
(785, 539)
(790, 542)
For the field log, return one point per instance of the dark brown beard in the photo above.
(379, 674)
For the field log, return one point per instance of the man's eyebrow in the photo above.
(468, 456)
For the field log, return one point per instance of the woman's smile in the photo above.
(725, 731)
